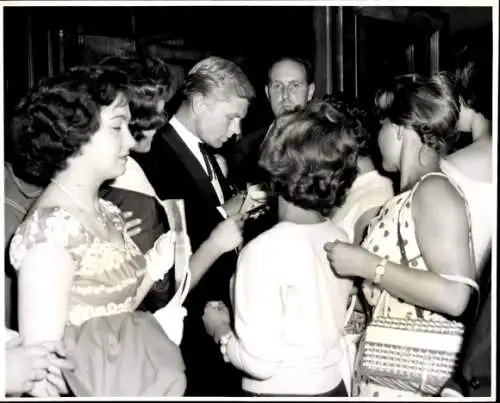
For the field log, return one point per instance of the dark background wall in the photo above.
(40, 41)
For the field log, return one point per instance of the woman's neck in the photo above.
(365, 165)
(481, 127)
(409, 179)
(290, 212)
(78, 189)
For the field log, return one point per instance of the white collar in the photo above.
(134, 179)
(191, 140)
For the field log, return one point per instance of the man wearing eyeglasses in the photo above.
(289, 87)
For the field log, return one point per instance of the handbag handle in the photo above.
(459, 279)
(404, 257)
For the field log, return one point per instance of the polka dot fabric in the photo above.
(382, 240)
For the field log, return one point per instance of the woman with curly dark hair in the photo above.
(73, 256)
(289, 306)
(417, 261)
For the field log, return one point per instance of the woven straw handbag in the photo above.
(416, 355)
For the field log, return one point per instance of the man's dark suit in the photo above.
(243, 159)
(175, 173)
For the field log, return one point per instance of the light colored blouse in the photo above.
(368, 191)
(289, 310)
(481, 201)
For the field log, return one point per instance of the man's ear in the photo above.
(266, 89)
(310, 91)
(198, 104)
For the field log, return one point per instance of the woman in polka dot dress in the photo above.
(430, 214)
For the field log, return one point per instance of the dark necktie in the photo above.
(208, 161)
(214, 171)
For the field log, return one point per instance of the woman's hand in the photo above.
(160, 258)
(348, 260)
(234, 204)
(132, 225)
(228, 234)
(217, 319)
(256, 197)
(31, 367)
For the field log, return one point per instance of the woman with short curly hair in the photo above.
(289, 306)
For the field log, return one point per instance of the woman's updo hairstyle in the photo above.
(147, 86)
(429, 106)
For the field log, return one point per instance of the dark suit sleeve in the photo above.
(244, 164)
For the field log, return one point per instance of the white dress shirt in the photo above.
(193, 143)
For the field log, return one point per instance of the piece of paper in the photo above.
(174, 208)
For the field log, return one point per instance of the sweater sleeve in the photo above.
(258, 345)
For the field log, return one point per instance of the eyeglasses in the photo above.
(291, 87)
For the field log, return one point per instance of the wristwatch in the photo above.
(380, 271)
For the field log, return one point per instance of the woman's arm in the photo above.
(45, 279)
(442, 235)
(224, 238)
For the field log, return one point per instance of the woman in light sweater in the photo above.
(289, 306)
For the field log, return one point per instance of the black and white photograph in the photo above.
(249, 199)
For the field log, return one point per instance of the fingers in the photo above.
(133, 227)
(218, 305)
(58, 382)
(59, 349)
(38, 374)
(51, 390)
(60, 363)
(330, 245)
(133, 223)
(40, 350)
(213, 304)
(127, 214)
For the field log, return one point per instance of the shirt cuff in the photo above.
(222, 211)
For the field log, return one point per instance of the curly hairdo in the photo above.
(429, 106)
(58, 116)
(363, 121)
(215, 74)
(146, 87)
(311, 159)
